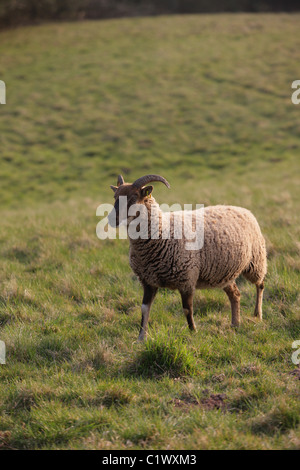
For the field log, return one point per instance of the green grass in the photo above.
(204, 101)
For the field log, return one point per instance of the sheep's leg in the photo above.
(187, 304)
(234, 296)
(149, 294)
(259, 298)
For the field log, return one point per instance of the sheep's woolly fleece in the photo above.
(233, 245)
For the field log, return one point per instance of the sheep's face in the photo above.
(125, 196)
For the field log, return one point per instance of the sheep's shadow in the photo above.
(204, 306)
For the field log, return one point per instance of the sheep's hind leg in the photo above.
(234, 296)
(259, 298)
(187, 304)
(149, 294)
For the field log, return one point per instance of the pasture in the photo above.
(205, 101)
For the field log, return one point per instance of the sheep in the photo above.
(233, 246)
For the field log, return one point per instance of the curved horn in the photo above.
(120, 180)
(148, 179)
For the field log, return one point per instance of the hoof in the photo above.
(258, 315)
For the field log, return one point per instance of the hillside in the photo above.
(206, 102)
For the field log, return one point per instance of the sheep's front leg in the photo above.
(187, 304)
(149, 294)
(234, 296)
(259, 298)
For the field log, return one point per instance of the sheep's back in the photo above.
(231, 238)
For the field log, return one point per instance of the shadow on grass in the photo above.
(202, 307)
(22, 255)
(16, 298)
(278, 421)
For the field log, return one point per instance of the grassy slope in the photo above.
(205, 101)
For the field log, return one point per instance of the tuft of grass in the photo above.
(165, 354)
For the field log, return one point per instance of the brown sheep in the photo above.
(233, 245)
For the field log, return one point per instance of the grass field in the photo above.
(204, 101)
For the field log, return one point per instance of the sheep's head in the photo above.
(136, 193)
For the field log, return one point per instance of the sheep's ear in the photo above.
(146, 191)
(114, 188)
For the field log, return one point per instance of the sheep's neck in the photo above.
(154, 223)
